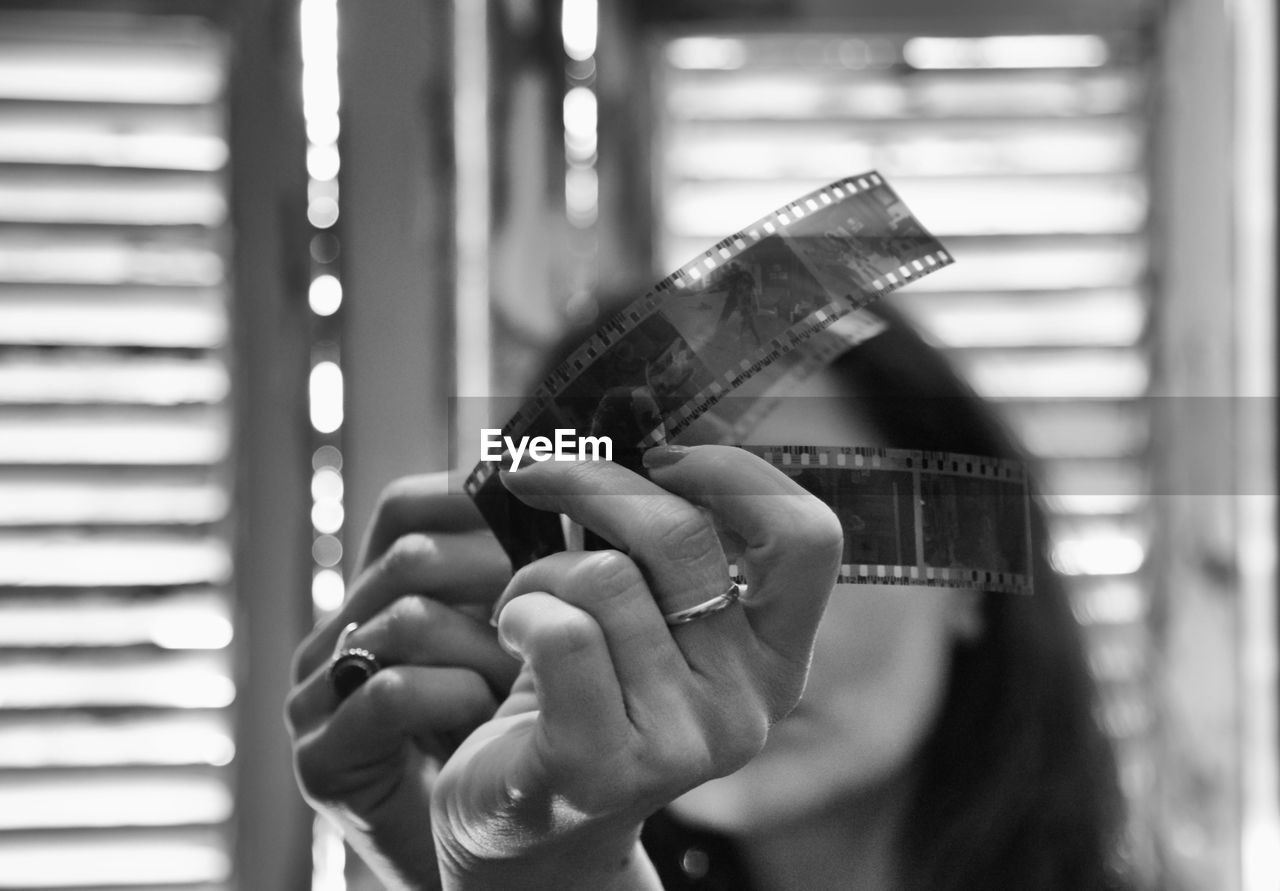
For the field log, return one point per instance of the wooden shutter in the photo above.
(116, 742)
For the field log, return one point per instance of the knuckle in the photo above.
(727, 731)
(394, 496)
(386, 692)
(604, 574)
(675, 747)
(819, 528)
(410, 619)
(687, 537)
(410, 613)
(687, 755)
(740, 735)
(409, 555)
(574, 633)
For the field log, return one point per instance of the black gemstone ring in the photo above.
(350, 667)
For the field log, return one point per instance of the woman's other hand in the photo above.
(429, 574)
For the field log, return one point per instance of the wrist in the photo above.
(599, 858)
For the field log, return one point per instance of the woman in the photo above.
(1012, 784)
(946, 740)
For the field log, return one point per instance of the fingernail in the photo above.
(503, 600)
(503, 641)
(664, 455)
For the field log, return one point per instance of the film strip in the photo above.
(919, 518)
(751, 316)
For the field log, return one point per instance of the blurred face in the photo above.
(875, 688)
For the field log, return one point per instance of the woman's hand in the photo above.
(431, 569)
(615, 713)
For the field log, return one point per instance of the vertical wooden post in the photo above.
(397, 244)
(272, 470)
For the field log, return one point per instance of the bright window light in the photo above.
(108, 74)
(142, 861)
(188, 200)
(327, 590)
(325, 295)
(1112, 602)
(323, 128)
(326, 397)
(327, 516)
(1100, 555)
(189, 622)
(1017, 51)
(155, 380)
(580, 114)
(322, 212)
(326, 484)
(319, 23)
(138, 317)
(707, 52)
(189, 633)
(181, 683)
(323, 161)
(581, 195)
(52, 497)
(81, 740)
(578, 28)
(136, 440)
(54, 802)
(90, 140)
(1052, 374)
(116, 559)
(107, 260)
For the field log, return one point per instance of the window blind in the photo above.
(1027, 156)
(116, 740)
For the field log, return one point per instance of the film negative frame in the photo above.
(962, 520)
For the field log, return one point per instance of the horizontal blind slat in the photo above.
(1114, 317)
(116, 679)
(51, 738)
(78, 798)
(197, 619)
(101, 72)
(108, 258)
(103, 378)
(829, 150)
(112, 559)
(165, 138)
(123, 436)
(123, 859)
(779, 95)
(78, 498)
(141, 198)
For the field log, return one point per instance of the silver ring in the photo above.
(707, 607)
(350, 667)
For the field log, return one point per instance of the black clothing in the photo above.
(692, 860)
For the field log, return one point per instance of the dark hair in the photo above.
(1017, 782)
